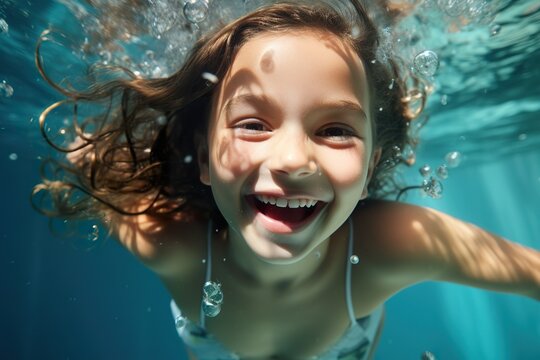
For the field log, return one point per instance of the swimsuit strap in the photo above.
(348, 295)
(208, 265)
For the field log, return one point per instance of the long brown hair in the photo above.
(141, 149)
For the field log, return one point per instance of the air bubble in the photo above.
(355, 31)
(212, 292)
(391, 86)
(495, 29)
(425, 170)
(196, 10)
(210, 310)
(204, 261)
(93, 233)
(354, 259)
(188, 159)
(149, 54)
(381, 109)
(427, 355)
(432, 188)
(179, 322)
(5, 89)
(426, 63)
(442, 172)
(156, 72)
(318, 254)
(105, 57)
(522, 137)
(161, 120)
(409, 156)
(212, 298)
(13, 156)
(444, 99)
(453, 159)
(4, 27)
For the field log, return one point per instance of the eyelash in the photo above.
(346, 133)
(248, 127)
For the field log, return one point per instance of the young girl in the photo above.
(251, 182)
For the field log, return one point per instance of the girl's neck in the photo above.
(244, 264)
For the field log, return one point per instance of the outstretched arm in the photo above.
(425, 244)
(474, 256)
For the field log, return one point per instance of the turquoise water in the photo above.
(61, 302)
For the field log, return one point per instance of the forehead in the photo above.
(303, 65)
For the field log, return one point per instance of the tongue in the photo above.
(284, 214)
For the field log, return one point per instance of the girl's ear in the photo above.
(375, 157)
(202, 158)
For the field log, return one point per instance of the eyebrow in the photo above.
(321, 105)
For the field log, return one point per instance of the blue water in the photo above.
(59, 302)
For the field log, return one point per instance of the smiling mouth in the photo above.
(292, 213)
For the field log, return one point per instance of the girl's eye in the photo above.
(336, 132)
(251, 128)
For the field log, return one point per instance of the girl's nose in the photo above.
(293, 157)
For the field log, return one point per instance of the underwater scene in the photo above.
(72, 292)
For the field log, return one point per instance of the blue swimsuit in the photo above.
(357, 339)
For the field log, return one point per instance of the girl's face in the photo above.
(290, 142)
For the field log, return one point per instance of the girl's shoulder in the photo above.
(396, 242)
(166, 245)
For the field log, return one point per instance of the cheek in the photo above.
(346, 168)
(230, 158)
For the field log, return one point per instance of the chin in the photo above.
(281, 255)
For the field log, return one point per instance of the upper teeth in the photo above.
(282, 202)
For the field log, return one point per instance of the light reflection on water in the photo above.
(485, 89)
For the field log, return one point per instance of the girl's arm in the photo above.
(164, 244)
(425, 244)
(167, 246)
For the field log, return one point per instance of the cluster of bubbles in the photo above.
(432, 184)
(212, 299)
(406, 155)
(5, 89)
(428, 355)
(475, 10)
(458, 13)
(162, 18)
